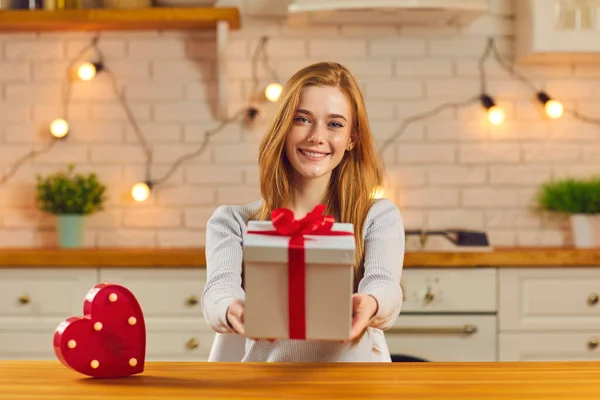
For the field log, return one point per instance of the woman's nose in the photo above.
(316, 134)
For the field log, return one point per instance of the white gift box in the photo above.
(328, 283)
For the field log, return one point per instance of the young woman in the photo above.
(319, 150)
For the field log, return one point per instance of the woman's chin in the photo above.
(314, 173)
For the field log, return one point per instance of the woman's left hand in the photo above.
(364, 307)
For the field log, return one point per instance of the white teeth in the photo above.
(312, 154)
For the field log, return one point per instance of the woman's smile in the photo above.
(313, 155)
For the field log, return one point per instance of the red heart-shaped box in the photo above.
(109, 340)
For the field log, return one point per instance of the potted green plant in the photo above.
(579, 199)
(71, 197)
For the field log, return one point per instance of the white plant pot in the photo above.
(586, 230)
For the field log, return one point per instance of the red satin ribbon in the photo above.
(315, 223)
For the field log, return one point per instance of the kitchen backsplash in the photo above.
(454, 170)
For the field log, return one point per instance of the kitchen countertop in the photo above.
(49, 380)
(195, 258)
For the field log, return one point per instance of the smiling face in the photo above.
(321, 132)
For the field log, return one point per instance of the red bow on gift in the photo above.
(314, 223)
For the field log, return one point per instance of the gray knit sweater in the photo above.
(384, 256)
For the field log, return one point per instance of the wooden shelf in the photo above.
(100, 257)
(195, 258)
(159, 18)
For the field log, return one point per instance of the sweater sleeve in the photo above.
(224, 255)
(384, 258)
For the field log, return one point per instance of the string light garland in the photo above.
(495, 114)
(59, 128)
(553, 108)
(140, 191)
(273, 90)
(86, 71)
(32, 154)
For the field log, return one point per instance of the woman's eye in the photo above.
(337, 125)
(301, 119)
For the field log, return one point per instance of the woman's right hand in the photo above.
(235, 316)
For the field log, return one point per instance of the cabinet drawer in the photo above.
(162, 292)
(181, 345)
(445, 290)
(160, 345)
(556, 299)
(442, 338)
(178, 340)
(15, 345)
(575, 346)
(28, 338)
(44, 292)
(166, 340)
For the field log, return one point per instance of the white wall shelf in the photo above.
(558, 31)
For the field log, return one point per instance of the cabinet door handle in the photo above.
(461, 330)
(192, 301)
(593, 299)
(24, 299)
(592, 343)
(192, 344)
(429, 296)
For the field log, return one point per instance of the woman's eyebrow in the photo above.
(340, 116)
(303, 111)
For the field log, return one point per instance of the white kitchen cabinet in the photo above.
(549, 314)
(540, 299)
(549, 346)
(445, 338)
(445, 290)
(33, 302)
(449, 314)
(558, 31)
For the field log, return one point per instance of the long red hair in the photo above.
(353, 182)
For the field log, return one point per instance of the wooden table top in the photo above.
(518, 257)
(49, 380)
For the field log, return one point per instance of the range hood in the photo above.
(405, 12)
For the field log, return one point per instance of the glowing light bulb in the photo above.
(495, 115)
(86, 71)
(273, 91)
(140, 191)
(554, 109)
(378, 193)
(59, 128)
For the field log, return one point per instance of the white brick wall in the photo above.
(453, 170)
